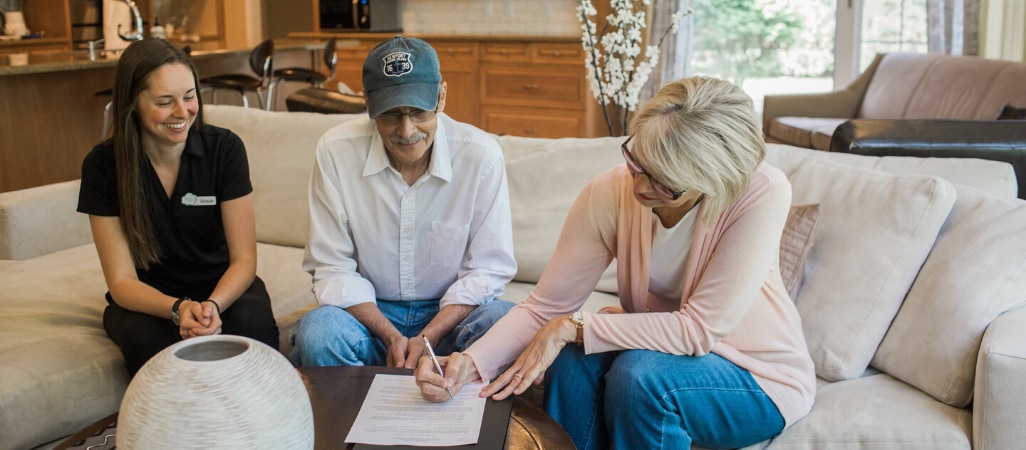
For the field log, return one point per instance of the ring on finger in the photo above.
(518, 376)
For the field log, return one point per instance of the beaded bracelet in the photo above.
(215, 306)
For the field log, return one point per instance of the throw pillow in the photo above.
(795, 243)
(1010, 112)
(975, 272)
(874, 231)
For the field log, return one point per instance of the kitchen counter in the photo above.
(45, 62)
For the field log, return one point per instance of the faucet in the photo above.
(92, 48)
(136, 35)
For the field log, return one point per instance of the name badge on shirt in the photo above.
(191, 199)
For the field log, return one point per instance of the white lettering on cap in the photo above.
(397, 64)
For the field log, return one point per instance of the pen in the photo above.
(434, 359)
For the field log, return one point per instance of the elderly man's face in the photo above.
(408, 133)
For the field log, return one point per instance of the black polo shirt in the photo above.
(194, 252)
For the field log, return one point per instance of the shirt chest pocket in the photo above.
(448, 244)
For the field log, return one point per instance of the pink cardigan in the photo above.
(734, 302)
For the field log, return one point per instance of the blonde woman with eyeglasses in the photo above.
(707, 347)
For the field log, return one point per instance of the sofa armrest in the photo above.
(41, 220)
(997, 140)
(841, 104)
(1000, 395)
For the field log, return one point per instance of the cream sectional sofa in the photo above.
(910, 298)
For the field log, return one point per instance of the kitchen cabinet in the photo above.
(459, 63)
(534, 89)
(66, 25)
(48, 19)
(521, 86)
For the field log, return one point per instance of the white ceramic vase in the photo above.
(223, 392)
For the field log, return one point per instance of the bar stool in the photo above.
(260, 61)
(302, 74)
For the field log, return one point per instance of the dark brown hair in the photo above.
(135, 65)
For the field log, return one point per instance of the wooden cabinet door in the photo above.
(458, 61)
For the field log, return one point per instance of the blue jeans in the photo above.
(330, 336)
(653, 400)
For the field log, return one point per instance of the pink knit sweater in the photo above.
(734, 302)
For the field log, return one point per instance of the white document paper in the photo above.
(394, 413)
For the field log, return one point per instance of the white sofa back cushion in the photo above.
(281, 147)
(540, 200)
(935, 337)
(875, 230)
(991, 176)
(50, 207)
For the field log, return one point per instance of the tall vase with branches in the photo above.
(616, 67)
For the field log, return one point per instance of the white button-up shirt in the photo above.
(372, 236)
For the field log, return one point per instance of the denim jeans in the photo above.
(647, 399)
(330, 336)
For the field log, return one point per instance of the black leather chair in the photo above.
(260, 62)
(998, 140)
(316, 78)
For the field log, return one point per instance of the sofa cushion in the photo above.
(992, 176)
(875, 230)
(966, 87)
(54, 351)
(281, 268)
(976, 271)
(877, 412)
(542, 198)
(795, 244)
(896, 80)
(281, 147)
(52, 207)
(60, 371)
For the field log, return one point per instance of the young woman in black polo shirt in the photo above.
(171, 213)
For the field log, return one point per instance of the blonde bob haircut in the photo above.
(700, 133)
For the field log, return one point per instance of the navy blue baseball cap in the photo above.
(401, 71)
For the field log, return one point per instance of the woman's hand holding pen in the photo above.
(530, 366)
(459, 370)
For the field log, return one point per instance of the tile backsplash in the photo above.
(492, 17)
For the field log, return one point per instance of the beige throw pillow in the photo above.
(976, 271)
(795, 243)
(874, 231)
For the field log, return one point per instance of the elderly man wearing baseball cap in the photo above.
(410, 231)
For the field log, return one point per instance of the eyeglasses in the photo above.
(636, 169)
(395, 118)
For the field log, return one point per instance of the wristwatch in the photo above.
(175, 317)
(578, 320)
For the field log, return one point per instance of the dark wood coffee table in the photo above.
(336, 394)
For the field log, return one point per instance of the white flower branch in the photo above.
(616, 68)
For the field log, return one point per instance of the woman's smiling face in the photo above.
(168, 106)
